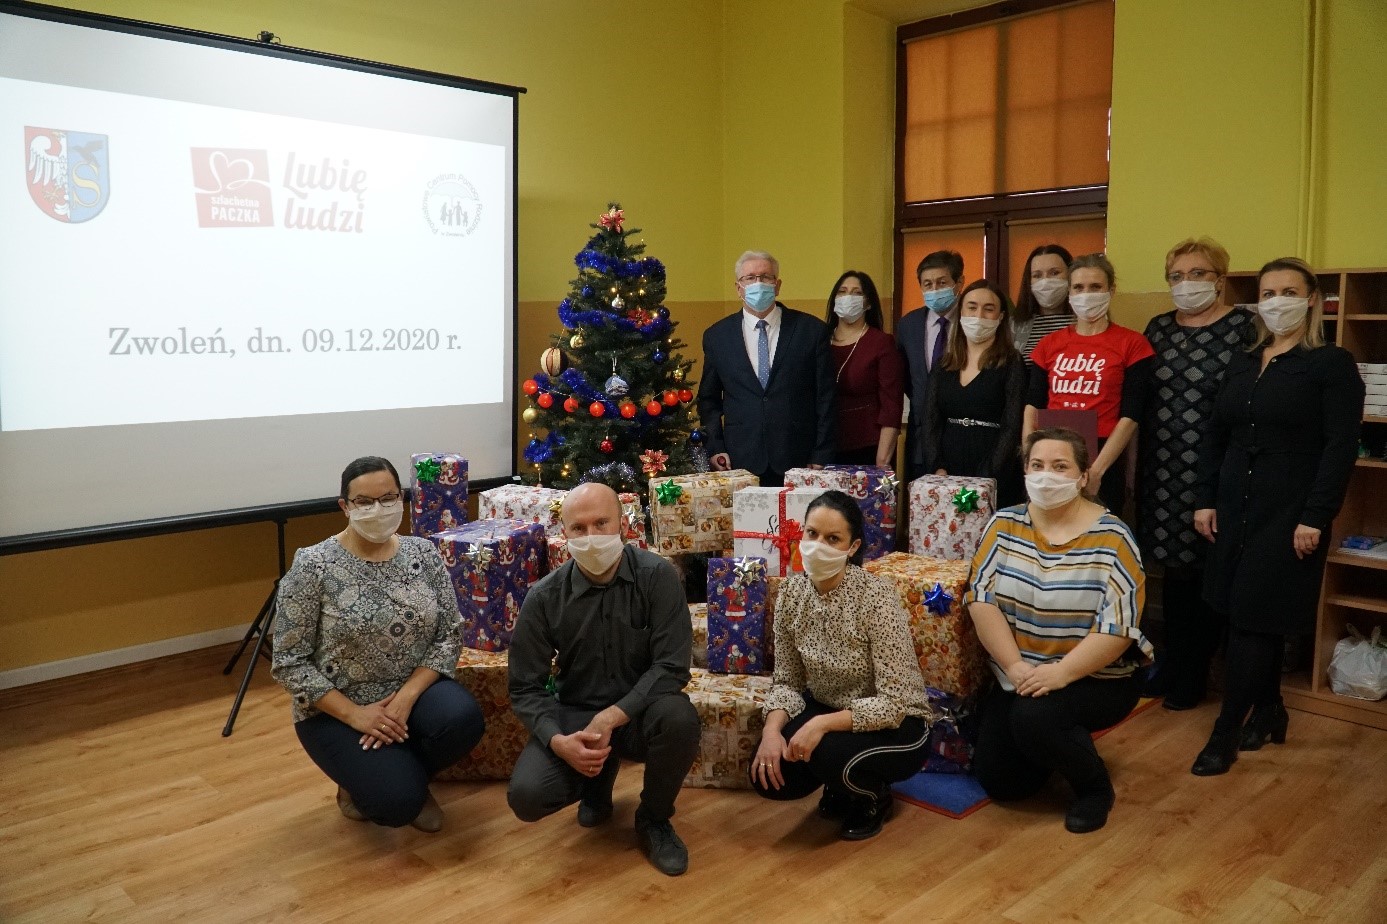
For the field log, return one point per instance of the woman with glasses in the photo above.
(868, 372)
(1194, 343)
(366, 642)
(1042, 302)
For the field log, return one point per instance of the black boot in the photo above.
(1089, 810)
(834, 803)
(867, 815)
(1266, 722)
(1218, 755)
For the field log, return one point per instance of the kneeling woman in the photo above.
(1056, 595)
(847, 707)
(366, 642)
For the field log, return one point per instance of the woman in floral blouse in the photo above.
(366, 642)
(847, 708)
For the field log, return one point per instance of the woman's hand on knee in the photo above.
(765, 765)
(376, 725)
(802, 745)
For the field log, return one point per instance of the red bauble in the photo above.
(628, 410)
(597, 409)
(529, 386)
(684, 395)
(570, 404)
(606, 446)
(545, 400)
(653, 408)
(671, 397)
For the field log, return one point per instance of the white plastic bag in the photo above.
(1359, 666)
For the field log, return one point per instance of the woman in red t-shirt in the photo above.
(1098, 366)
(869, 371)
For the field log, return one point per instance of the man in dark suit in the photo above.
(767, 396)
(923, 336)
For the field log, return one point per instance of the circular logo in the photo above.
(451, 205)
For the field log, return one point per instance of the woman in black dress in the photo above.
(1273, 471)
(1194, 344)
(977, 395)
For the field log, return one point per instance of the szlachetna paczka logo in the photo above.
(68, 173)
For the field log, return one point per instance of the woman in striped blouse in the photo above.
(1056, 595)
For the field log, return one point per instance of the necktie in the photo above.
(939, 343)
(763, 354)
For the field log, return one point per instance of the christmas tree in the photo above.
(614, 401)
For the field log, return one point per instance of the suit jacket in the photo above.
(788, 424)
(910, 337)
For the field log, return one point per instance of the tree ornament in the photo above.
(551, 361)
(653, 408)
(545, 400)
(618, 303)
(696, 437)
(587, 291)
(606, 445)
(529, 386)
(597, 409)
(678, 374)
(570, 404)
(616, 386)
(685, 395)
(612, 219)
(671, 397)
(577, 341)
(628, 410)
(658, 357)
(662, 313)
(653, 461)
(529, 415)
(938, 600)
(667, 492)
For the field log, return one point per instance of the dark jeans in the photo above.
(1193, 630)
(391, 784)
(852, 763)
(1023, 739)
(1252, 675)
(665, 738)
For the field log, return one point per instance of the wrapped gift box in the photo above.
(945, 523)
(698, 613)
(738, 624)
(729, 712)
(931, 590)
(949, 749)
(769, 524)
(874, 488)
(523, 502)
(693, 513)
(492, 564)
(438, 492)
(558, 551)
(486, 677)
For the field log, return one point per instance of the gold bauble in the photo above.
(679, 374)
(576, 341)
(529, 415)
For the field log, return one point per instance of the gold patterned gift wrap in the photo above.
(698, 612)
(729, 713)
(693, 513)
(931, 591)
(486, 677)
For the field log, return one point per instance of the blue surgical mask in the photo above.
(939, 300)
(759, 296)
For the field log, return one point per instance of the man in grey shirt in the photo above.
(618, 622)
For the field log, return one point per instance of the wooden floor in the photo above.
(120, 801)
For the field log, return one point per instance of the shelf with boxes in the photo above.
(1355, 580)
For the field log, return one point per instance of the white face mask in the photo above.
(1193, 296)
(821, 560)
(1283, 313)
(1048, 490)
(979, 330)
(1090, 306)
(1050, 291)
(378, 522)
(850, 307)
(595, 553)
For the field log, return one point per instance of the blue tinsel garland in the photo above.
(573, 318)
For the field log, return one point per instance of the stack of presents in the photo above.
(752, 534)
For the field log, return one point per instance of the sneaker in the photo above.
(662, 846)
(430, 817)
(347, 806)
(866, 816)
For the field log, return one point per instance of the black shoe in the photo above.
(1218, 755)
(662, 846)
(1266, 722)
(834, 804)
(595, 806)
(866, 816)
(1089, 810)
(1174, 704)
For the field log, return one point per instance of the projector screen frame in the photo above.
(277, 512)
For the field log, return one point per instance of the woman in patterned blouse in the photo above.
(847, 707)
(1056, 595)
(366, 642)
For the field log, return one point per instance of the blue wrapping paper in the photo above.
(492, 564)
(739, 626)
(441, 503)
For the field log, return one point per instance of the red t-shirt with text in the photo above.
(1085, 373)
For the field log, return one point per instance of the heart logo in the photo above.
(230, 174)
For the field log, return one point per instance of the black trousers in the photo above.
(665, 738)
(1193, 630)
(1252, 675)
(1024, 739)
(851, 763)
(1112, 490)
(390, 785)
(867, 455)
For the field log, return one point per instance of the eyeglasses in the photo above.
(1194, 275)
(366, 503)
(760, 277)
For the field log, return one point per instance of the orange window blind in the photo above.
(1076, 235)
(967, 241)
(1014, 106)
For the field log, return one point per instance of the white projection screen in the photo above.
(228, 268)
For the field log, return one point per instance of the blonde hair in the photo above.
(1313, 338)
(1095, 261)
(1206, 247)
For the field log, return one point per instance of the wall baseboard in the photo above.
(53, 670)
